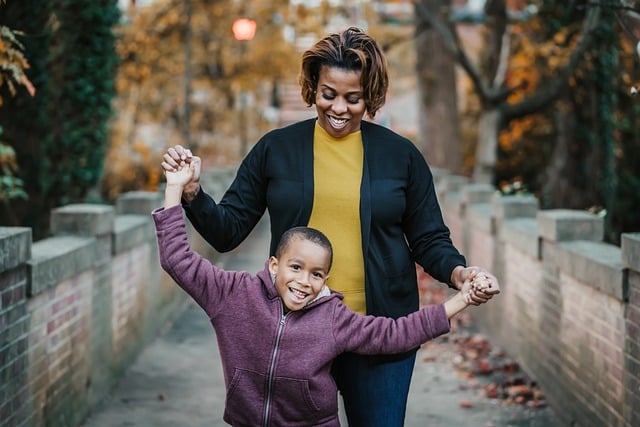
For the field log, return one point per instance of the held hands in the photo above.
(177, 180)
(477, 285)
(183, 174)
(177, 157)
(481, 289)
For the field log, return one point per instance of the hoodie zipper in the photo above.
(272, 367)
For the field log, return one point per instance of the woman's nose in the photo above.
(339, 105)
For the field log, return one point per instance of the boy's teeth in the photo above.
(298, 293)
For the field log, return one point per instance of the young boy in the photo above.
(279, 331)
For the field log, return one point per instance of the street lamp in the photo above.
(244, 29)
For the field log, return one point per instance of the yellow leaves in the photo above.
(523, 129)
(152, 77)
(13, 63)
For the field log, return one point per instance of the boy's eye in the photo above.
(318, 275)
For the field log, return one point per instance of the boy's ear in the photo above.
(273, 265)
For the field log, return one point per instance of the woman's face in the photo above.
(339, 101)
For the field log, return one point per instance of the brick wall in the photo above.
(569, 310)
(76, 308)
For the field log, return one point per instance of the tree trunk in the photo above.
(556, 186)
(185, 128)
(486, 157)
(438, 137)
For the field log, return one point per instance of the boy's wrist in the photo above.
(172, 194)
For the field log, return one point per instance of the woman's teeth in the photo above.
(337, 123)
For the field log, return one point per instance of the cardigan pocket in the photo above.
(398, 285)
(399, 274)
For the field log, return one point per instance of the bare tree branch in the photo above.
(552, 89)
(610, 5)
(488, 95)
(503, 63)
(454, 48)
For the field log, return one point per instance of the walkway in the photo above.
(177, 380)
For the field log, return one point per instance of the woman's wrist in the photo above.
(190, 191)
(456, 277)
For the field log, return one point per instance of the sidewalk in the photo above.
(177, 380)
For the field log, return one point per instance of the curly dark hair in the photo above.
(351, 50)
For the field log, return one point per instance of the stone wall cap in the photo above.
(131, 231)
(630, 243)
(58, 258)
(522, 233)
(559, 225)
(15, 246)
(83, 219)
(84, 208)
(512, 206)
(477, 193)
(596, 263)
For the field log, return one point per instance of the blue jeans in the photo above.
(374, 388)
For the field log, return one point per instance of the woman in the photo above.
(367, 188)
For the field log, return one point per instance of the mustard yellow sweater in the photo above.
(337, 167)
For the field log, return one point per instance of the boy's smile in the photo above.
(300, 272)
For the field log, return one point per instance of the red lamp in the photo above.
(244, 29)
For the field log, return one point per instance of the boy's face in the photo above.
(301, 272)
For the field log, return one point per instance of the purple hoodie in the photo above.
(277, 366)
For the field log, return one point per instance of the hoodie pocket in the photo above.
(290, 401)
(245, 398)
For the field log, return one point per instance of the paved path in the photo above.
(177, 380)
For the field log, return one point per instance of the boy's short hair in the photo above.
(306, 233)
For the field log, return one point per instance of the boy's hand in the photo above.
(183, 173)
(176, 157)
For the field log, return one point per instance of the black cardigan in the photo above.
(400, 216)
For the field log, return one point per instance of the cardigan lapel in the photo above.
(365, 192)
(307, 172)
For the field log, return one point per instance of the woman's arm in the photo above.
(226, 224)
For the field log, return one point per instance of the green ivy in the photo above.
(11, 187)
(60, 135)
